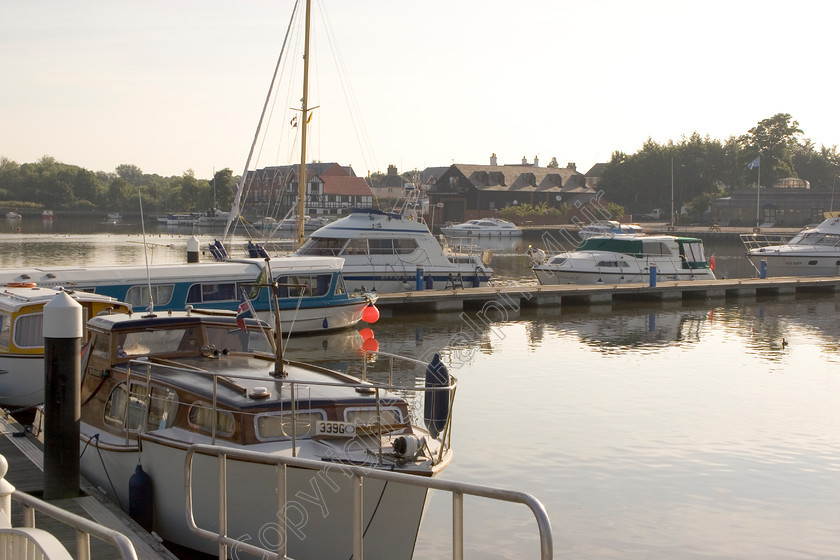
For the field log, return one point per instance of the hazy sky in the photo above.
(176, 85)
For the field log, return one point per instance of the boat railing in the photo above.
(754, 241)
(143, 371)
(85, 528)
(359, 475)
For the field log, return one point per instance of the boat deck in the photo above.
(24, 454)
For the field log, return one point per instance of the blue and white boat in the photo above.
(312, 295)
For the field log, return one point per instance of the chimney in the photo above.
(536, 161)
(493, 160)
(392, 170)
(524, 160)
(571, 166)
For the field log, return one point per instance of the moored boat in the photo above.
(22, 338)
(624, 259)
(312, 297)
(392, 251)
(183, 378)
(485, 227)
(814, 251)
(609, 227)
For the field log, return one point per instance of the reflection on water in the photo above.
(655, 431)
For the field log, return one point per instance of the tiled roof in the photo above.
(346, 186)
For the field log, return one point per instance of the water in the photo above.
(665, 431)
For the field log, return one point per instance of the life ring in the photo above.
(21, 284)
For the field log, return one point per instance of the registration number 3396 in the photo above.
(340, 429)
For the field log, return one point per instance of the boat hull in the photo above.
(556, 277)
(319, 509)
(393, 279)
(787, 263)
(21, 380)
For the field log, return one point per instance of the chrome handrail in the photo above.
(84, 527)
(457, 489)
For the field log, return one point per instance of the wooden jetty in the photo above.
(515, 297)
(24, 454)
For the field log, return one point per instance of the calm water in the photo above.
(671, 431)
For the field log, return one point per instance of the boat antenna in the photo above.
(151, 308)
(234, 209)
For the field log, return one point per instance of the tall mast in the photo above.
(304, 113)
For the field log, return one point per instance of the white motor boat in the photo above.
(22, 338)
(624, 259)
(609, 227)
(485, 227)
(814, 251)
(155, 384)
(393, 252)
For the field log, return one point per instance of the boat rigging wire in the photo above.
(237, 197)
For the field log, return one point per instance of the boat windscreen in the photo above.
(323, 246)
(693, 252)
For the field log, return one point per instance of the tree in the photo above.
(773, 139)
(553, 163)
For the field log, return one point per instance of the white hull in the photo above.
(792, 263)
(311, 320)
(400, 279)
(21, 380)
(548, 277)
(451, 232)
(319, 510)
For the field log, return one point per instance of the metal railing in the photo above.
(141, 373)
(359, 475)
(84, 527)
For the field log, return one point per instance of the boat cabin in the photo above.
(209, 376)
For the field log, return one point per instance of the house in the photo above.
(331, 190)
(790, 202)
(473, 191)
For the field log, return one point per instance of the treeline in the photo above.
(704, 168)
(51, 184)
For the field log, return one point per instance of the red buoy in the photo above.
(370, 314)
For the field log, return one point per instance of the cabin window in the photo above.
(356, 247)
(138, 296)
(201, 415)
(124, 410)
(5, 330)
(657, 248)
(390, 417)
(322, 246)
(280, 426)
(405, 246)
(29, 331)
(304, 286)
(141, 343)
(236, 340)
(200, 293)
(162, 408)
(381, 246)
(558, 261)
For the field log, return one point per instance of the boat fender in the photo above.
(21, 284)
(140, 498)
(436, 408)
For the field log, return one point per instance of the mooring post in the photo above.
(653, 276)
(192, 249)
(763, 272)
(62, 386)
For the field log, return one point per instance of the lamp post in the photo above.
(672, 191)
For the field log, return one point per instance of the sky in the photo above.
(178, 85)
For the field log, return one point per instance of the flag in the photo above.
(293, 122)
(262, 279)
(755, 163)
(245, 311)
